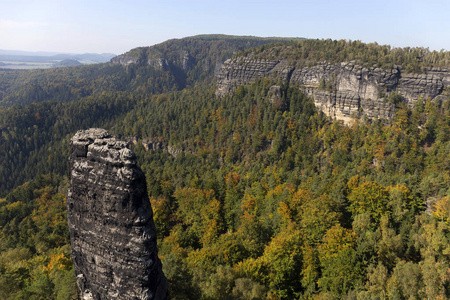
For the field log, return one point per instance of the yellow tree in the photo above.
(200, 212)
(369, 197)
(280, 265)
(338, 259)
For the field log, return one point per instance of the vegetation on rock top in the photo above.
(310, 51)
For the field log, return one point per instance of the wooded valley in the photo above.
(253, 198)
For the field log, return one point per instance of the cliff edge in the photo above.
(112, 233)
(341, 90)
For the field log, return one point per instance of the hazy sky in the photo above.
(116, 26)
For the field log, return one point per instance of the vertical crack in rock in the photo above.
(112, 233)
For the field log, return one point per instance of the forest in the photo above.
(309, 52)
(261, 199)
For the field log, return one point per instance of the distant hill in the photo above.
(68, 63)
(171, 65)
(17, 55)
(188, 61)
(41, 60)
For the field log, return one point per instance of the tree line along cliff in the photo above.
(341, 88)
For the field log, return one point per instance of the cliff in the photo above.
(189, 60)
(110, 219)
(340, 90)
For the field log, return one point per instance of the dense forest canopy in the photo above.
(412, 59)
(253, 197)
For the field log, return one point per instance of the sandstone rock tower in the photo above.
(110, 220)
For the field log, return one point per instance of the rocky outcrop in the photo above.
(443, 73)
(345, 90)
(412, 86)
(187, 61)
(110, 219)
(158, 63)
(124, 60)
(156, 60)
(241, 71)
(340, 90)
(151, 145)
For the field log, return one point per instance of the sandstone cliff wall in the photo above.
(340, 90)
(112, 233)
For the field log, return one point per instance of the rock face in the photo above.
(339, 90)
(124, 60)
(112, 233)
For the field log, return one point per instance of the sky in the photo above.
(116, 26)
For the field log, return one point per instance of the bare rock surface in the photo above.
(112, 232)
(340, 90)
